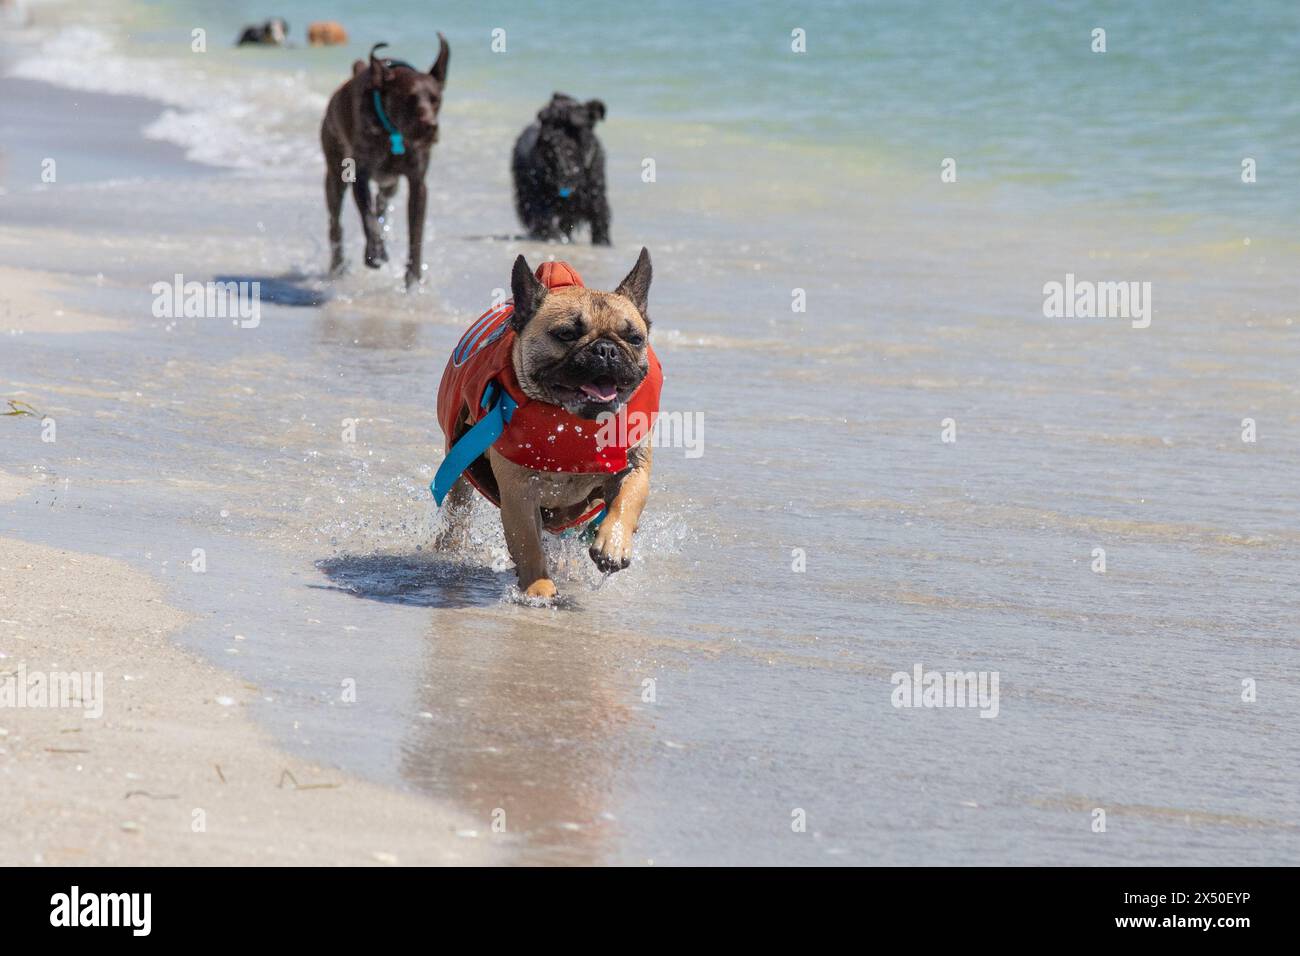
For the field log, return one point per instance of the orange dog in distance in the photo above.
(326, 33)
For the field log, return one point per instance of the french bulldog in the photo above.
(587, 353)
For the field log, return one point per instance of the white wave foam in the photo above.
(220, 112)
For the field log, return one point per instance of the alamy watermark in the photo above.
(56, 689)
(130, 910)
(668, 430)
(237, 300)
(1083, 299)
(922, 688)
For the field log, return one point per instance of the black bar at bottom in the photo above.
(329, 906)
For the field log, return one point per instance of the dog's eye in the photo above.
(636, 340)
(565, 334)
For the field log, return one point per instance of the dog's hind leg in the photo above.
(376, 254)
(457, 507)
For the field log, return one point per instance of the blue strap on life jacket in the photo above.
(395, 138)
(587, 531)
(500, 408)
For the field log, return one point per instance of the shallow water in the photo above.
(822, 432)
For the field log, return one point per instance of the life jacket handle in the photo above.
(500, 409)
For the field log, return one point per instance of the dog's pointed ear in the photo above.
(596, 110)
(379, 71)
(439, 69)
(528, 292)
(358, 67)
(636, 286)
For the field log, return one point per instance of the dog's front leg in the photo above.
(415, 205)
(376, 254)
(521, 518)
(612, 547)
(600, 220)
(334, 205)
(599, 204)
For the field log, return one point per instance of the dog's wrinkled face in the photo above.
(412, 99)
(578, 348)
(567, 141)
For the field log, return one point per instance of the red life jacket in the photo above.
(538, 435)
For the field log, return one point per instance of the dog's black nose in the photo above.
(604, 350)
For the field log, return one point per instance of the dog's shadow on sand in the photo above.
(293, 289)
(413, 579)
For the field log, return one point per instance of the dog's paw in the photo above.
(376, 255)
(541, 589)
(612, 547)
(413, 276)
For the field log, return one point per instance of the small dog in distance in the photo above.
(273, 32)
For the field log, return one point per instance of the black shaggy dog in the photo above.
(559, 170)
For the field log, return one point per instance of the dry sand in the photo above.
(173, 746)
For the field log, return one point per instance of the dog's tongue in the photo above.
(601, 393)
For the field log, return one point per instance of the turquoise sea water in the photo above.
(1160, 122)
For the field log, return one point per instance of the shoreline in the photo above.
(35, 114)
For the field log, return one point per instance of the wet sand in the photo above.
(174, 771)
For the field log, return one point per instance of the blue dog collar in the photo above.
(566, 192)
(396, 143)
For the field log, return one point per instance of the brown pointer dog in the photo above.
(355, 129)
(569, 343)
